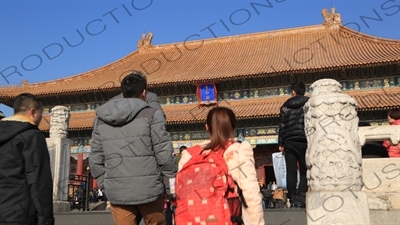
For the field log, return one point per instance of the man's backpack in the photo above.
(206, 192)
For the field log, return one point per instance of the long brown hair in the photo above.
(221, 124)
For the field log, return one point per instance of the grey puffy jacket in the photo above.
(131, 152)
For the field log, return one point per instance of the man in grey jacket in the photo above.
(132, 154)
(151, 100)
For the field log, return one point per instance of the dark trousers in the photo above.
(295, 152)
(168, 214)
(267, 203)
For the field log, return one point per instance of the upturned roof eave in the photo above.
(13, 91)
(4, 94)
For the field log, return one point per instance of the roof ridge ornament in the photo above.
(24, 83)
(332, 20)
(145, 41)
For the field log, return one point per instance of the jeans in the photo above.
(295, 154)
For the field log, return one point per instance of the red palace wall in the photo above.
(263, 160)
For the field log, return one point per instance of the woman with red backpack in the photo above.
(212, 176)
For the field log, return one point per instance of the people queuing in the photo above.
(274, 198)
(130, 137)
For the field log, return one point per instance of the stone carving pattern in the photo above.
(59, 122)
(333, 156)
(379, 133)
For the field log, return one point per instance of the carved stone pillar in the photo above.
(59, 122)
(334, 153)
(59, 150)
(333, 157)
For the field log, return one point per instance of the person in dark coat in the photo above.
(293, 142)
(26, 184)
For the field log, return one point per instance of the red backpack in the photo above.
(205, 191)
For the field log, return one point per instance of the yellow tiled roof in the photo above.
(305, 49)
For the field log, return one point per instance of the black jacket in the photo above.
(291, 126)
(26, 186)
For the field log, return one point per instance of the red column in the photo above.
(79, 164)
(263, 181)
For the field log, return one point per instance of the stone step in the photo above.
(272, 217)
(98, 206)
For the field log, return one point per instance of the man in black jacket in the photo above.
(293, 143)
(26, 184)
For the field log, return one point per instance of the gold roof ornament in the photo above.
(332, 20)
(24, 83)
(145, 41)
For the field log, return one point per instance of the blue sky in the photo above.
(33, 34)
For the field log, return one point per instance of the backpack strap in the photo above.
(239, 190)
(240, 193)
(195, 150)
